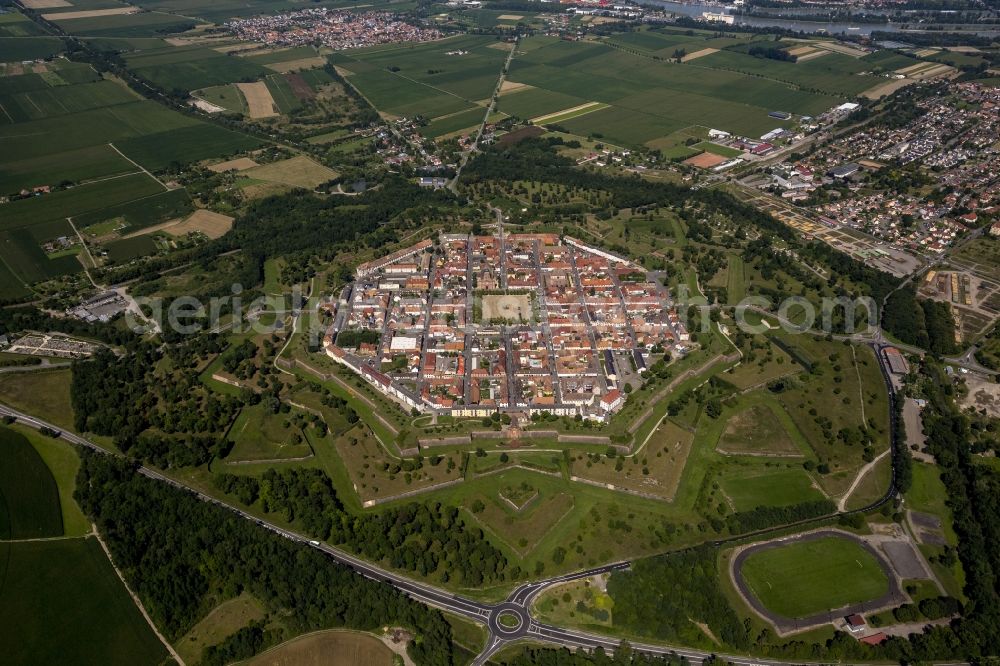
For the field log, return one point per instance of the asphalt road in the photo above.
(519, 623)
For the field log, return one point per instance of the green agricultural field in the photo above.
(145, 24)
(57, 135)
(21, 253)
(78, 165)
(534, 102)
(77, 200)
(888, 60)
(421, 79)
(14, 49)
(11, 287)
(126, 249)
(282, 93)
(185, 145)
(141, 213)
(804, 578)
(653, 98)
(282, 55)
(62, 100)
(186, 69)
(16, 24)
(749, 488)
(63, 461)
(29, 497)
(453, 123)
(70, 584)
(835, 74)
(716, 149)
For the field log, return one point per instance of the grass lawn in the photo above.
(63, 461)
(765, 487)
(223, 620)
(259, 435)
(29, 498)
(872, 485)
(70, 585)
(800, 579)
(759, 430)
(469, 635)
(376, 475)
(561, 605)
(44, 394)
(523, 530)
(655, 470)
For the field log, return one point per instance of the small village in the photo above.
(330, 28)
(879, 179)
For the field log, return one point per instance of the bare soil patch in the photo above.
(259, 100)
(510, 138)
(299, 86)
(705, 160)
(512, 86)
(509, 307)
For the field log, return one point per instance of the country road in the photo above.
(516, 607)
(517, 604)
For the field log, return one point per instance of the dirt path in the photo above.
(138, 166)
(135, 599)
(861, 474)
(85, 249)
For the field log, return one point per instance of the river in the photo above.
(695, 10)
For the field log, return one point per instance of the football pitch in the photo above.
(811, 576)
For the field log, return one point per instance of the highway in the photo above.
(507, 621)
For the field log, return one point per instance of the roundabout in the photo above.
(509, 621)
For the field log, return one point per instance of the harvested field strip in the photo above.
(512, 86)
(90, 13)
(213, 225)
(840, 48)
(801, 50)
(912, 69)
(812, 56)
(567, 114)
(886, 88)
(259, 101)
(45, 4)
(699, 54)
